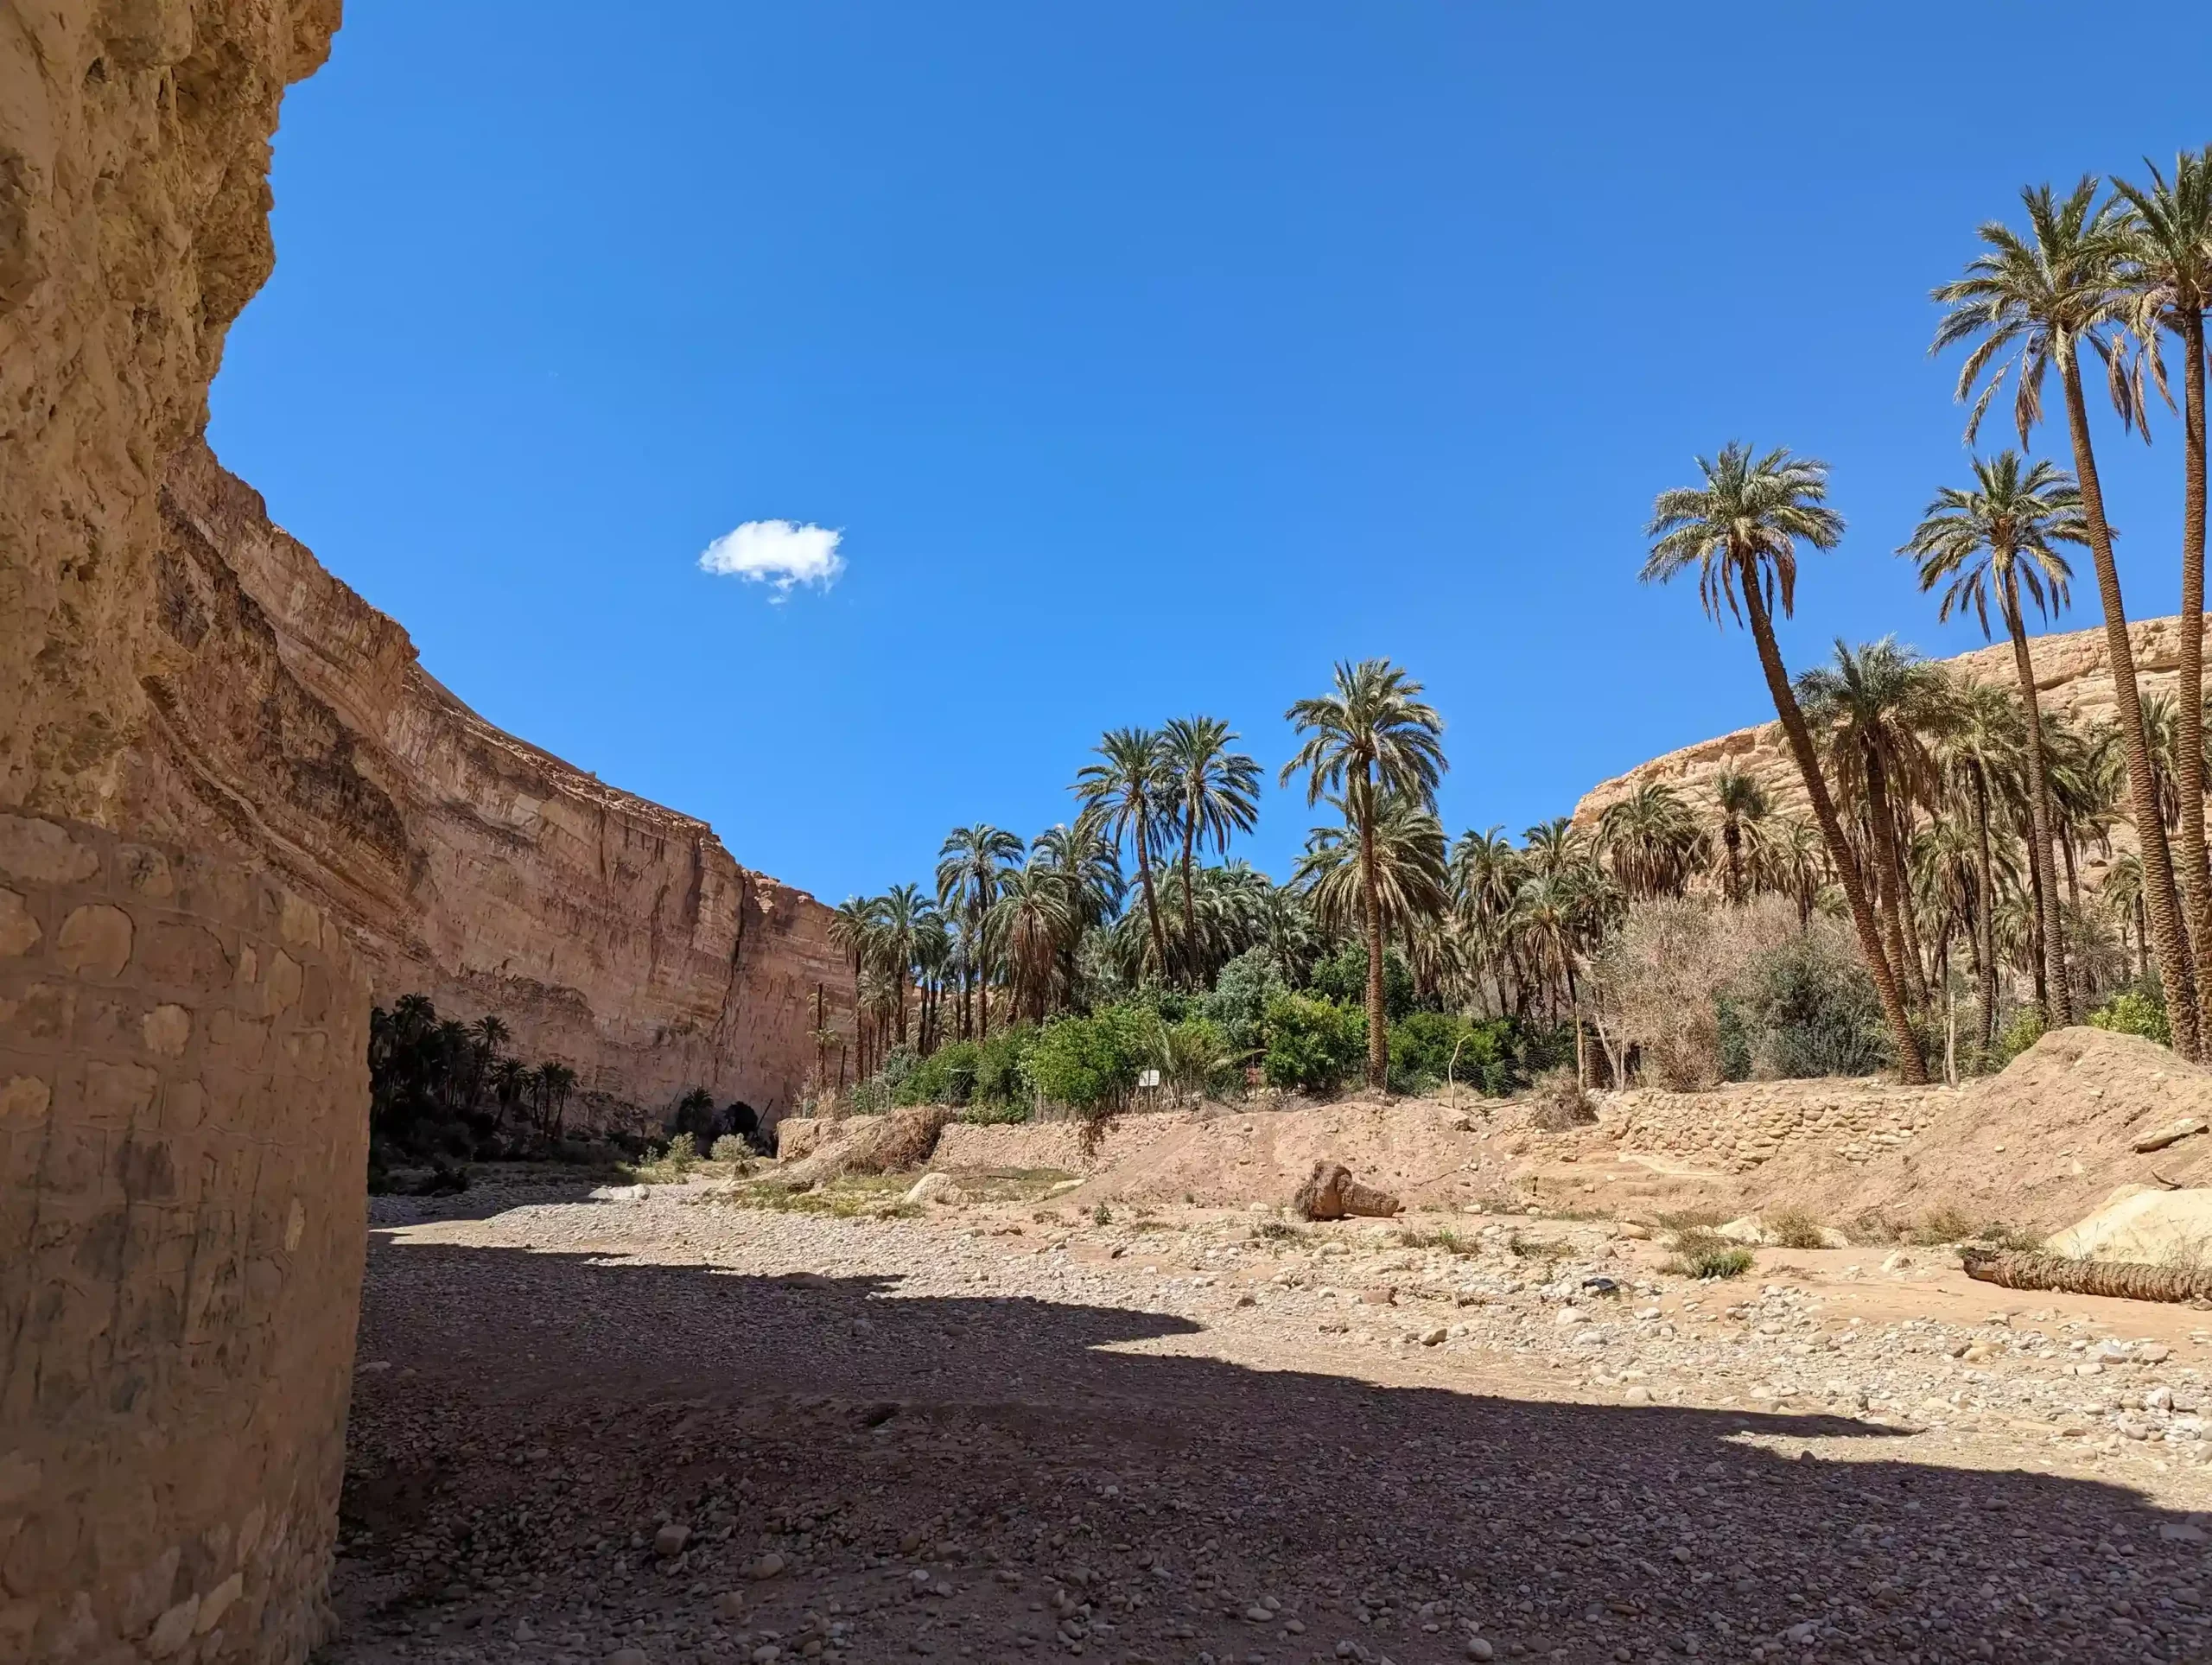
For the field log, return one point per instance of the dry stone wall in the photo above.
(183, 1131)
(1735, 1129)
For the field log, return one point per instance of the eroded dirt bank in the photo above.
(1007, 1430)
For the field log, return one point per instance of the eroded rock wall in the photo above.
(619, 937)
(182, 1138)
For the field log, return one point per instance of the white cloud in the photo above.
(778, 552)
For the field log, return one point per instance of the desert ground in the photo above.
(702, 1421)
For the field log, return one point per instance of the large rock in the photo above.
(2158, 1228)
(1330, 1193)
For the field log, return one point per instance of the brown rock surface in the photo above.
(1330, 1193)
(291, 717)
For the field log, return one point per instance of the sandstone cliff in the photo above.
(2073, 676)
(292, 718)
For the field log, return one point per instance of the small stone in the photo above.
(1382, 1294)
(1480, 1649)
(627, 1656)
(1433, 1337)
(729, 1606)
(671, 1538)
(522, 1631)
(768, 1567)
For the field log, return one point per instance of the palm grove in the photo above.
(1926, 899)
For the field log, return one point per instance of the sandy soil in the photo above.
(1201, 1434)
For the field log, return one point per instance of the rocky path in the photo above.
(661, 1429)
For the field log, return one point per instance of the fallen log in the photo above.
(1330, 1193)
(2123, 1279)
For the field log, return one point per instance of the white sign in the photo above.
(1149, 1078)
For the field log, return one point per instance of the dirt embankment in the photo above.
(2040, 1144)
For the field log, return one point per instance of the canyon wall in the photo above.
(2073, 679)
(291, 717)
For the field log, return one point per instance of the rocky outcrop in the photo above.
(291, 717)
(2073, 679)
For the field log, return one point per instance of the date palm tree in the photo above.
(969, 866)
(1740, 527)
(2167, 272)
(1368, 740)
(902, 913)
(1652, 841)
(2029, 304)
(1125, 795)
(1979, 751)
(2001, 535)
(1741, 802)
(1872, 706)
(853, 932)
(1216, 792)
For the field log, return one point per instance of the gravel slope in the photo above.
(1200, 1436)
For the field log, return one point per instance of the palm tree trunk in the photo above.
(1190, 909)
(2052, 989)
(1985, 930)
(2189, 768)
(1904, 952)
(1151, 904)
(2174, 970)
(1911, 1068)
(982, 978)
(1378, 1048)
(1732, 836)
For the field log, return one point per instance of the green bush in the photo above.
(1194, 1059)
(1427, 1046)
(1089, 1064)
(2133, 1012)
(730, 1148)
(2016, 1037)
(1313, 1045)
(999, 1077)
(945, 1076)
(1808, 1008)
(1238, 1004)
(1701, 1253)
(1342, 978)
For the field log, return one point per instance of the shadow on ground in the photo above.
(520, 1416)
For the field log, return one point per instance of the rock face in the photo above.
(2073, 677)
(291, 717)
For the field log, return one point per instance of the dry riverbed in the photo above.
(657, 1428)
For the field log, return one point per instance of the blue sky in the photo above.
(1147, 359)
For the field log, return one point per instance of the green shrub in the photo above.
(945, 1076)
(1701, 1253)
(2131, 1012)
(1793, 1227)
(1090, 1063)
(2016, 1037)
(1427, 1046)
(1313, 1045)
(999, 1077)
(1238, 1004)
(1342, 978)
(1194, 1059)
(1809, 1008)
(730, 1148)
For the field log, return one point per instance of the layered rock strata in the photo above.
(612, 934)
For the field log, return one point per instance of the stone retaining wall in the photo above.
(183, 1085)
(1737, 1127)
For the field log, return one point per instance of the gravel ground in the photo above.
(658, 1428)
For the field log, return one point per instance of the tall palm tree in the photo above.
(2028, 304)
(1652, 841)
(902, 913)
(1412, 876)
(1216, 792)
(1871, 705)
(1125, 795)
(1031, 925)
(2001, 534)
(853, 933)
(1370, 738)
(1740, 527)
(1979, 751)
(969, 866)
(2168, 274)
(1741, 802)
(1787, 856)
